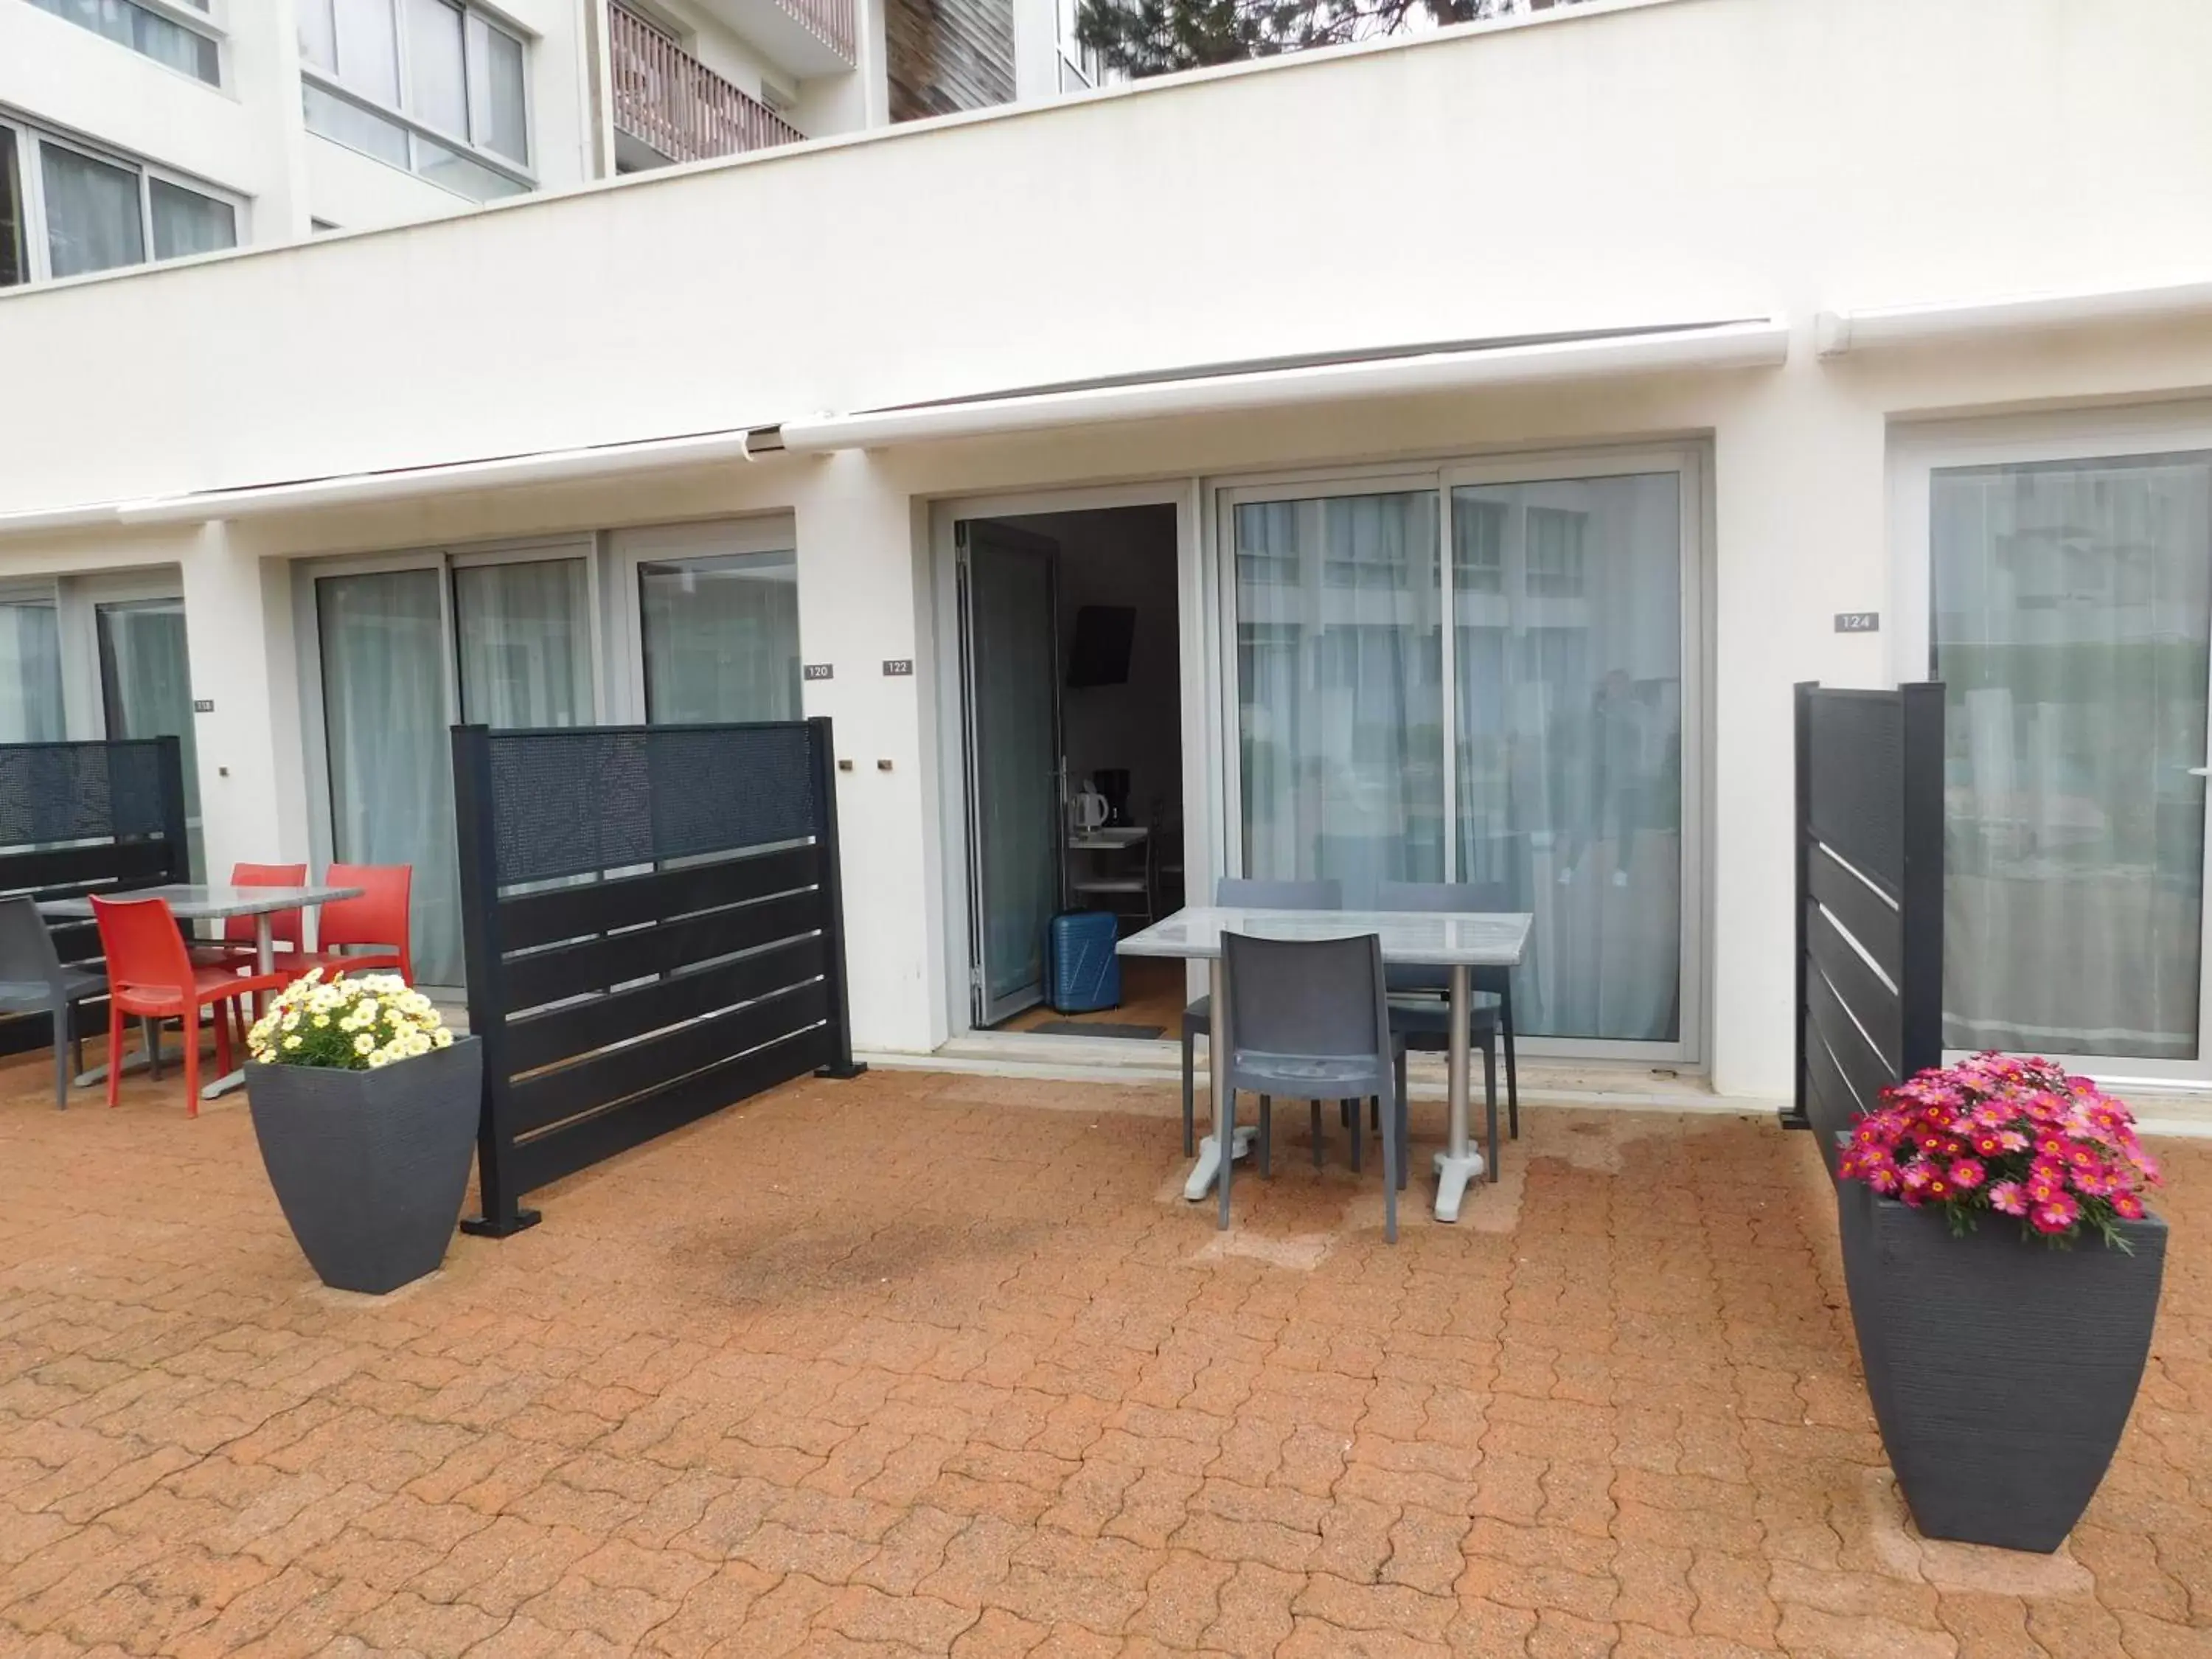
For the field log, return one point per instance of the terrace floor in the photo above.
(927, 1363)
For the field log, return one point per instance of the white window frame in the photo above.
(212, 24)
(1690, 464)
(524, 173)
(1917, 453)
(31, 139)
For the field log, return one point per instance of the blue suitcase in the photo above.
(1082, 973)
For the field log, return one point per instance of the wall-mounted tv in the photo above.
(1100, 655)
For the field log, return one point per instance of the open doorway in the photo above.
(1072, 745)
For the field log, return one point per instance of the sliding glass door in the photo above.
(712, 614)
(1536, 747)
(2071, 625)
(503, 639)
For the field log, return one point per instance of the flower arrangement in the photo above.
(352, 1024)
(2018, 1137)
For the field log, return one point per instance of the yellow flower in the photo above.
(378, 1058)
(321, 1020)
(291, 1043)
(363, 1043)
(442, 1037)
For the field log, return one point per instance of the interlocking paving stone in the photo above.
(924, 1363)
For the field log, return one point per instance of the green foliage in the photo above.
(1142, 38)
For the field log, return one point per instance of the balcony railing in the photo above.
(831, 19)
(667, 98)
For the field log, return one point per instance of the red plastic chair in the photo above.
(377, 919)
(286, 927)
(151, 973)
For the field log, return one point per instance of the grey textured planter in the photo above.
(371, 1167)
(2002, 1371)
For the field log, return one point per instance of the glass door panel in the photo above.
(1339, 611)
(721, 638)
(384, 661)
(2072, 616)
(30, 672)
(526, 643)
(146, 689)
(1567, 646)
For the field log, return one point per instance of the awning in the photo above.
(1874, 327)
(1387, 371)
(407, 484)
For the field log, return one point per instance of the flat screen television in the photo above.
(1100, 655)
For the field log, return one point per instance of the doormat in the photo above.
(1097, 1028)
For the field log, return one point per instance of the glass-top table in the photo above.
(1455, 940)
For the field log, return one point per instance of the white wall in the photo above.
(1696, 159)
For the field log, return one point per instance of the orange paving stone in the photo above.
(926, 1364)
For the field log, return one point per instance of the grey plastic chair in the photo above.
(1198, 1017)
(34, 981)
(1420, 1014)
(1309, 1020)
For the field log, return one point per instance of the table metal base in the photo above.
(224, 1085)
(92, 1077)
(1453, 1175)
(1203, 1173)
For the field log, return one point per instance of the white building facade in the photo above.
(1521, 406)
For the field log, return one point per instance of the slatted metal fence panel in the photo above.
(652, 929)
(1870, 899)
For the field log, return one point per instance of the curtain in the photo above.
(185, 222)
(1340, 704)
(92, 213)
(721, 638)
(146, 691)
(1567, 653)
(383, 716)
(2071, 627)
(30, 673)
(526, 643)
(15, 255)
(143, 31)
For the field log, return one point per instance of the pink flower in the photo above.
(1967, 1174)
(2127, 1206)
(2008, 1196)
(2055, 1215)
(2012, 1141)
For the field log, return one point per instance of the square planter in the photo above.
(370, 1167)
(2002, 1371)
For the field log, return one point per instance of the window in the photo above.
(67, 210)
(721, 637)
(147, 32)
(428, 85)
(1478, 674)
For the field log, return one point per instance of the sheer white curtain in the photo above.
(2070, 629)
(721, 638)
(30, 673)
(526, 643)
(146, 689)
(1569, 732)
(92, 213)
(383, 716)
(1341, 704)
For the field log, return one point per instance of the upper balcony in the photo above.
(802, 38)
(675, 105)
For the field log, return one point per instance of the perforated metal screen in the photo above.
(68, 792)
(609, 798)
